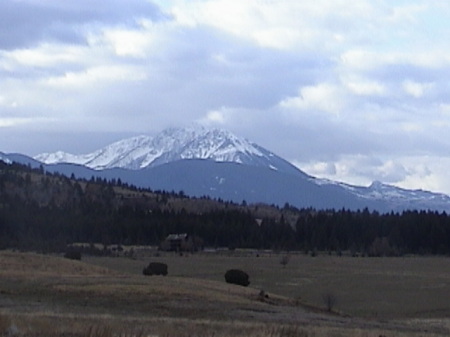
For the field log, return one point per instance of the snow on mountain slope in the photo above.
(172, 145)
(5, 159)
(415, 199)
(396, 197)
(119, 154)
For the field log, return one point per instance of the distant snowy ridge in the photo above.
(172, 145)
(392, 194)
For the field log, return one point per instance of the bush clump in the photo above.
(73, 255)
(236, 276)
(155, 268)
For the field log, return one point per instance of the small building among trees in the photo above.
(180, 243)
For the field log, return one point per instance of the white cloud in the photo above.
(8, 122)
(319, 169)
(43, 56)
(126, 42)
(416, 89)
(8, 103)
(96, 76)
(285, 24)
(365, 87)
(426, 172)
(323, 97)
(213, 118)
(412, 172)
(359, 59)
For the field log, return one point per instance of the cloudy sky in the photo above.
(354, 91)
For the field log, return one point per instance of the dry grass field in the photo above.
(408, 287)
(102, 297)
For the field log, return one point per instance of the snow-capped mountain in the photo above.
(172, 145)
(396, 197)
(377, 189)
(216, 163)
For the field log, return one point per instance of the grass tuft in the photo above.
(5, 324)
(107, 331)
(99, 331)
(288, 331)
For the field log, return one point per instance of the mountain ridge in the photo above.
(171, 145)
(216, 163)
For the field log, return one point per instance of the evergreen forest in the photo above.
(46, 212)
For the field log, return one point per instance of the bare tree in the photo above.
(330, 300)
(284, 260)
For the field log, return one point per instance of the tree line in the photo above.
(46, 212)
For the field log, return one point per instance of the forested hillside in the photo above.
(45, 212)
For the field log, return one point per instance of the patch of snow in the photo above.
(220, 180)
(5, 160)
(170, 145)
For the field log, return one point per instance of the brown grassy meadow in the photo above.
(395, 287)
(52, 296)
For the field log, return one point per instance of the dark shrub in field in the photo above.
(155, 268)
(73, 255)
(236, 276)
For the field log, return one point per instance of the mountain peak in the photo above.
(376, 185)
(174, 144)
